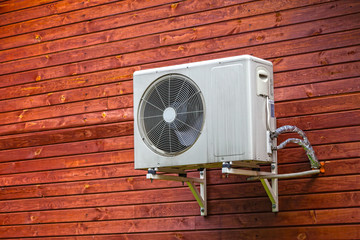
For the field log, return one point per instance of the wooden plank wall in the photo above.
(66, 120)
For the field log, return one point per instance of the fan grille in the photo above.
(171, 114)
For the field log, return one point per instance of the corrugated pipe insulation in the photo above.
(303, 143)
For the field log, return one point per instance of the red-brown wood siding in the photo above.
(66, 120)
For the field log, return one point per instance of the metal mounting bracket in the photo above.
(200, 197)
(271, 190)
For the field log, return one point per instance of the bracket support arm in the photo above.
(270, 189)
(201, 197)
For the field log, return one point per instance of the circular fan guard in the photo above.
(171, 114)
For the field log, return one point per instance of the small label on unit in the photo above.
(272, 108)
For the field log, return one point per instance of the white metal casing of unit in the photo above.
(238, 113)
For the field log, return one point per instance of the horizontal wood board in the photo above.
(66, 117)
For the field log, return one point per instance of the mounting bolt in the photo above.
(226, 165)
(202, 210)
(273, 166)
(273, 205)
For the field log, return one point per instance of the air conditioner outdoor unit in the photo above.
(204, 113)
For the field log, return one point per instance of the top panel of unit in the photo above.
(202, 63)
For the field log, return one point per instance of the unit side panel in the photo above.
(263, 119)
(229, 112)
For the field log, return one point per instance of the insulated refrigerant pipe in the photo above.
(315, 165)
(286, 175)
(303, 143)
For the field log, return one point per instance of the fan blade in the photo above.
(182, 95)
(187, 135)
(181, 111)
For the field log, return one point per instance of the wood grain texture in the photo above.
(246, 24)
(178, 37)
(317, 89)
(317, 74)
(56, 7)
(323, 152)
(138, 182)
(350, 231)
(296, 47)
(36, 86)
(323, 120)
(101, 104)
(135, 211)
(319, 105)
(68, 135)
(66, 118)
(89, 159)
(189, 49)
(99, 91)
(9, 6)
(119, 59)
(76, 16)
(188, 7)
(326, 136)
(236, 195)
(119, 20)
(76, 120)
(184, 223)
(107, 144)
